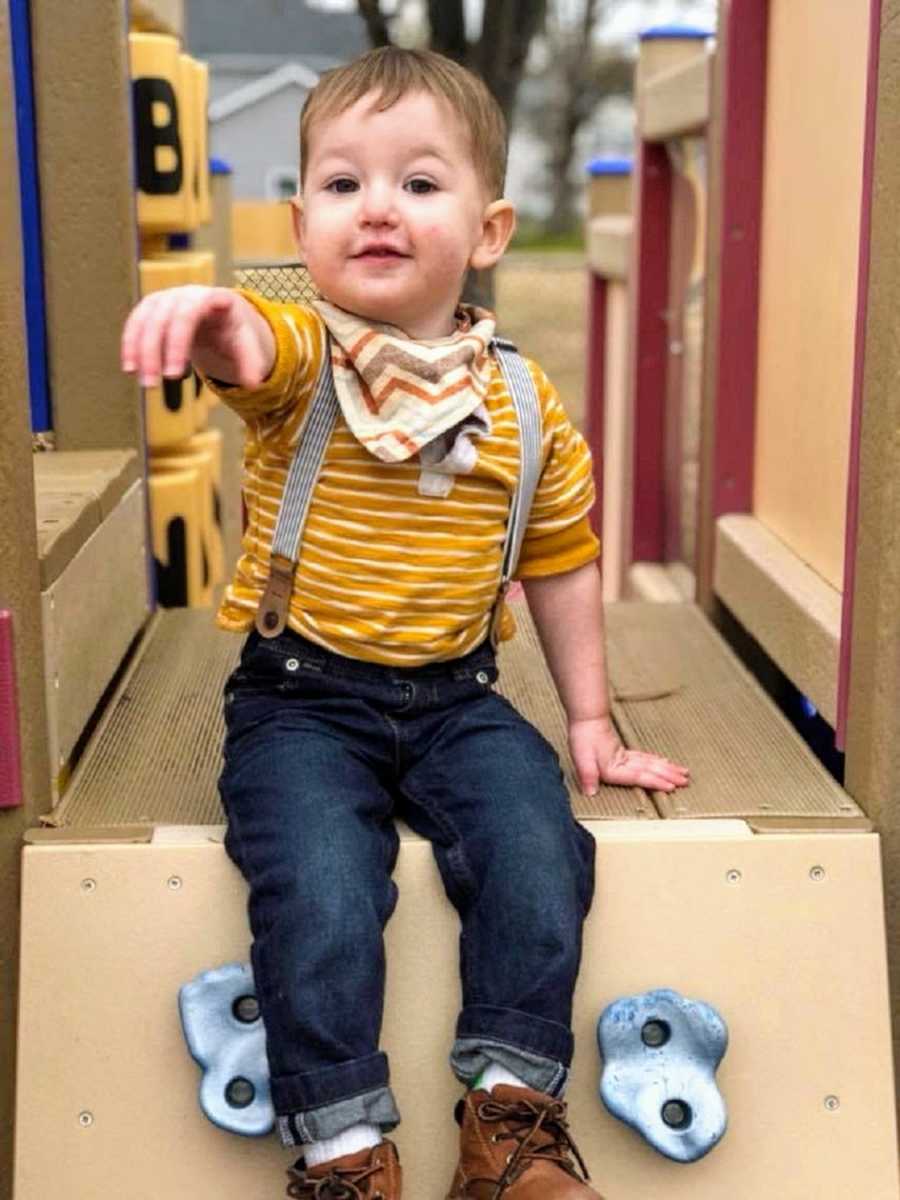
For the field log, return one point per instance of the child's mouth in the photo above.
(380, 252)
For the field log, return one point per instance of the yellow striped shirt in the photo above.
(386, 574)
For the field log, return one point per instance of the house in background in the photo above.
(264, 56)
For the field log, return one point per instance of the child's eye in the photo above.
(420, 187)
(342, 185)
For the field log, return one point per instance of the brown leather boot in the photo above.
(515, 1144)
(372, 1174)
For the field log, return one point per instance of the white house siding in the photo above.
(260, 137)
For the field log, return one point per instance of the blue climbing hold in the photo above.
(660, 1053)
(225, 1035)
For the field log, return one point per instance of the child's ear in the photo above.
(297, 221)
(497, 227)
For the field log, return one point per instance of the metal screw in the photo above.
(246, 1009)
(677, 1114)
(292, 664)
(173, 883)
(85, 1119)
(655, 1033)
(240, 1092)
(89, 885)
(733, 876)
(817, 874)
(832, 1103)
(483, 677)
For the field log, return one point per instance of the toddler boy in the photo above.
(365, 688)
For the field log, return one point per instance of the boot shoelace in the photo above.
(525, 1121)
(339, 1184)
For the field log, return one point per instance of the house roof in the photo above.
(272, 27)
(288, 75)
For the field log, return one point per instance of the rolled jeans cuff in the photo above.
(537, 1050)
(323, 1103)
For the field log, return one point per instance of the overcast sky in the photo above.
(624, 19)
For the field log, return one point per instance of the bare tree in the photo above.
(572, 52)
(499, 53)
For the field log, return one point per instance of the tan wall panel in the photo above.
(83, 100)
(873, 724)
(19, 592)
(810, 245)
(261, 230)
(704, 907)
(103, 587)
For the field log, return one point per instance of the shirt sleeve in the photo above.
(300, 343)
(559, 537)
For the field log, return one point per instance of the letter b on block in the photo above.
(162, 127)
(151, 95)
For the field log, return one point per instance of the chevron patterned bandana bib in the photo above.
(398, 394)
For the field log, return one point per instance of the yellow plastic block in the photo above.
(177, 505)
(163, 130)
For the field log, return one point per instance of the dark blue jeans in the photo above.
(321, 752)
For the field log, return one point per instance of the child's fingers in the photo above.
(133, 332)
(647, 771)
(152, 337)
(657, 760)
(586, 768)
(193, 307)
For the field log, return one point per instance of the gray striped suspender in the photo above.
(271, 616)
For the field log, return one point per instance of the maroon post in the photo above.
(595, 406)
(650, 348)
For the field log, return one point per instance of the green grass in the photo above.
(531, 236)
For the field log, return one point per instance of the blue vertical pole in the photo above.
(29, 191)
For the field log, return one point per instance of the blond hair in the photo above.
(390, 73)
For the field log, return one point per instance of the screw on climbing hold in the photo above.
(85, 1119)
(832, 1103)
(240, 1092)
(677, 1114)
(655, 1033)
(817, 874)
(246, 1009)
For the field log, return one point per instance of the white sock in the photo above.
(357, 1137)
(494, 1074)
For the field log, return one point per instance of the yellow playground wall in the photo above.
(815, 113)
(261, 231)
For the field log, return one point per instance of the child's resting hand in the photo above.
(600, 757)
(215, 328)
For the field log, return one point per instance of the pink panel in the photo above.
(595, 407)
(743, 136)
(651, 349)
(10, 753)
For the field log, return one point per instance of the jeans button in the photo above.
(483, 677)
(292, 664)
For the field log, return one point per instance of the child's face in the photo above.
(393, 213)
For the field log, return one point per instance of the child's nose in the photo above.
(378, 206)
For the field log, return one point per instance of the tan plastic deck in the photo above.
(677, 689)
(156, 758)
(680, 691)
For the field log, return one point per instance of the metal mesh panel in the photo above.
(287, 283)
